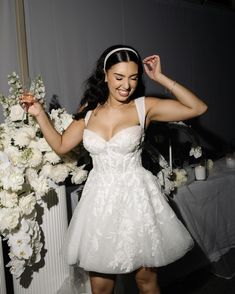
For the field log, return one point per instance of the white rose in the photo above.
(40, 186)
(8, 199)
(36, 158)
(16, 113)
(31, 174)
(13, 154)
(59, 173)
(13, 179)
(51, 157)
(46, 170)
(78, 176)
(27, 203)
(9, 218)
(42, 145)
(24, 136)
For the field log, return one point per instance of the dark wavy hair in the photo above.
(96, 89)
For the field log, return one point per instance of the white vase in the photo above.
(49, 278)
(2, 272)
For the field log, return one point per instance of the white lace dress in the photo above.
(123, 221)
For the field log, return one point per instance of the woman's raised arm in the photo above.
(187, 105)
(61, 144)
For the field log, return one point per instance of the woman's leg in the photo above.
(102, 283)
(146, 279)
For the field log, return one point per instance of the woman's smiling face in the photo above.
(122, 79)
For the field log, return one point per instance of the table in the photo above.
(208, 209)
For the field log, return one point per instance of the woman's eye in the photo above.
(118, 79)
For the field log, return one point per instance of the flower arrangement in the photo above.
(169, 175)
(196, 149)
(28, 170)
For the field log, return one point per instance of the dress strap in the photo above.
(140, 106)
(87, 116)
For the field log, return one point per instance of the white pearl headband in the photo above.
(118, 49)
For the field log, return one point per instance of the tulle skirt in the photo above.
(122, 223)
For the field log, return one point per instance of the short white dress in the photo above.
(123, 221)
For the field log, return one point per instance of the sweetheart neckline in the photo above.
(107, 141)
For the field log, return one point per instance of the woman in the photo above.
(123, 222)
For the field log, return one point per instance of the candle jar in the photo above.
(230, 160)
(200, 172)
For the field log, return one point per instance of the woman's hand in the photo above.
(30, 104)
(152, 66)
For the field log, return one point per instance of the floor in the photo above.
(186, 276)
(201, 282)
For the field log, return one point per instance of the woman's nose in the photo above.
(126, 84)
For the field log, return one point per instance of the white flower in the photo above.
(8, 199)
(42, 188)
(164, 180)
(59, 173)
(38, 183)
(209, 164)
(5, 138)
(196, 152)
(24, 225)
(61, 119)
(31, 174)
(30, 157)
(79, 175)
(28, 166)
(13, 154)
(42, 145)
(37, 249)
(36, 158)
(16, 113)
(13, 179)
(66, 120)
(46, 170)
(23, 251)
(17, 266)
(181, 177)
(18, 239)
(9, 218)
(51, 157)
(24, 136)
(27, 203)
(4, 161)
(27, 225)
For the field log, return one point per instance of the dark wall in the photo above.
(196, 45)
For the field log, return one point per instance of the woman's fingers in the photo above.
(152, 58)
(148, 66)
